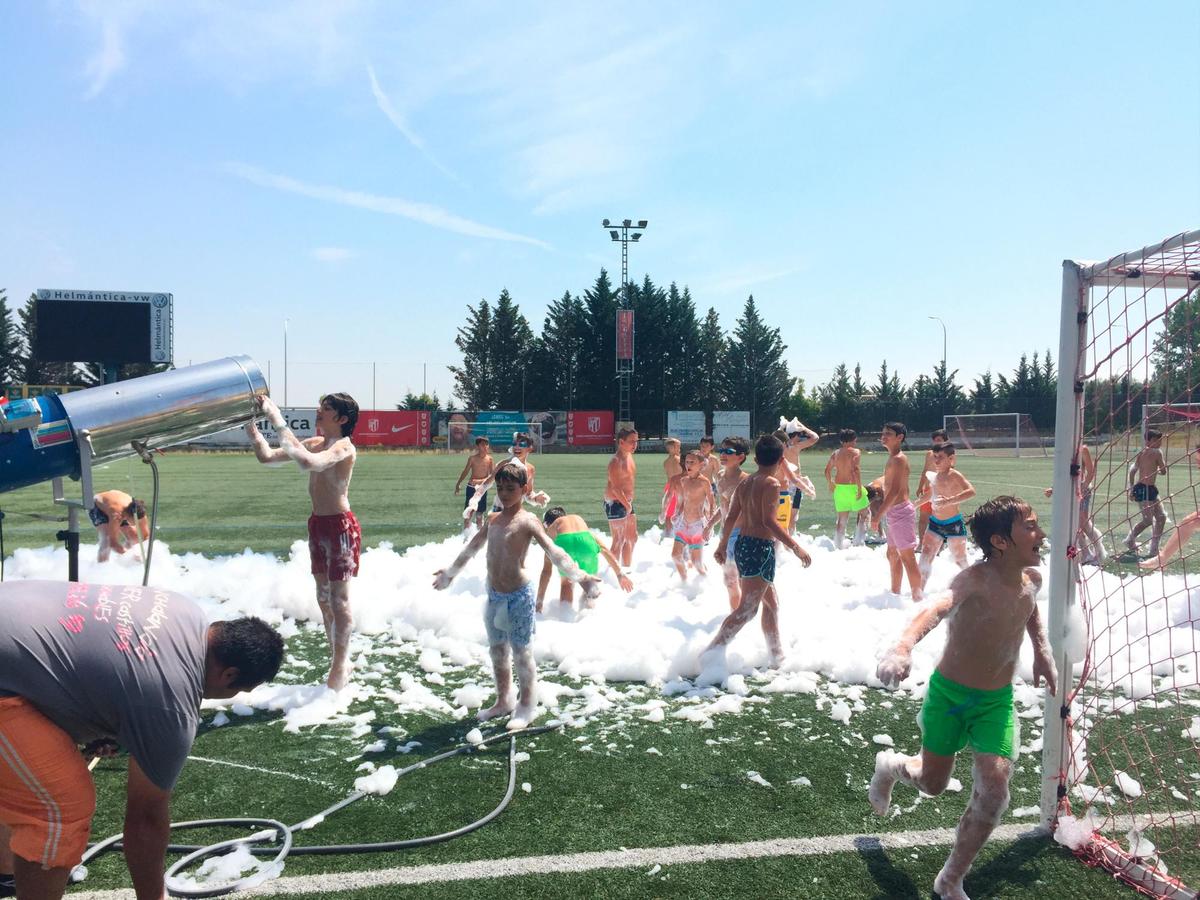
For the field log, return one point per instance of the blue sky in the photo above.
(366, 170)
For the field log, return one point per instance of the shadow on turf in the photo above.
(999, 875)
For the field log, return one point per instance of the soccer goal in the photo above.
(995, 434)
(1121, 745)
(462, 433)
(1179, 424)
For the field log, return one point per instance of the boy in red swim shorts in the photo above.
(334, 537)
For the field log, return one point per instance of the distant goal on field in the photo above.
(995, 434)
(1179, 424)
(461, 434)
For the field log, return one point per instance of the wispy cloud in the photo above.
(396, 118)
(332, 254)
(729, 282)
(424, 213)
(113, 21)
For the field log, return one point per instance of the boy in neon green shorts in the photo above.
(843, 474)
(571, 533)
(988, 611)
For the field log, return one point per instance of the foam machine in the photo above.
(53, 437)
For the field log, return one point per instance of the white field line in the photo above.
(292, 775)
(646, 857)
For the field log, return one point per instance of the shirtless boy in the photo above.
(732, 453)
(937, 438)
(672, 466)
(799, 437)
(571, 533)
(946, 488)
(843, 474)
(481, 465)
(334, 536)
(1146, 467)
(518, 453)
(508, 616)
(752, 515)
(694, 506)
(114, 515)
(1184, 529)
(898, 512)
(710, 460)
(989, 609)
(618, 496)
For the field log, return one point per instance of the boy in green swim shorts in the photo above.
(571, 533)
(843, 474)
(988, 611)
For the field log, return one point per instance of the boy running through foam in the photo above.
(924, 510)
(571, 533)
(946, 489)
(1146, 467)
(481, 466)
(849, 495)
(672, 466)
(1185, 528)
(711, 462)
(114, 514)
(509, 614)
(694, 505)
(899, 513)
(989, 609)
(334, 536)
(618, 496)
(752, 515)
(732, 453)
(799, 437)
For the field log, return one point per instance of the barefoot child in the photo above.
(969, 699)
(334, 536)
(936, 438)
(481, 465)
(799, 437)
(1146, 467)
(572, 535)
(618, 497)
(946, 488)
(898, 512)
(114, 515)
(508, 615)
(672, 466)
(849, 495)
(753, 515)
(1185, 528)
(733, 453)
(694, 506)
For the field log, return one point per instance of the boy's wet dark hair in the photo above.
(522, 440)
(768, 450)
(898, 427)
(707, 439)
(693, 454)
(480, 441)
(939, 433)
(780, 435)
(1152, 434)
(552, 515)
(996, 517)
(136, 509)
(343, 405)
(846, 435)
(738, 444)
(510, 471)
(252, 646)
(625, 432)
(947, 448)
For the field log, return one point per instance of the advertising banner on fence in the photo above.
(392, 428)
(550, 425)
(302, 420)
(624, 334)
(731, 423)
(590, 428)
(686, 424)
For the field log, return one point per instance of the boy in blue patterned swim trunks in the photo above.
(508, 615)
(752, 513)
(946, 488)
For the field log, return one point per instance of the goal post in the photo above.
(995, 434)
(1121, 738)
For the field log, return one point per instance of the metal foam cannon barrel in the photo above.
(38, 435)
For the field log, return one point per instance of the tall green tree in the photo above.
(710, 381)
(1176, 353)
(682, 358)
(10, 344)
(509, 344)
(474, 385)
(423, 402)
(648, 383)
(557, 356)
(837, 399)
(596, 386)
(757, 375)
(983, 396)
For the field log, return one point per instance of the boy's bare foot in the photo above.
(338, 678)
(882, 782)
(523, 716)
(502, 707)
(948, 888)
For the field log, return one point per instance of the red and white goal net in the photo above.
(1122, 742)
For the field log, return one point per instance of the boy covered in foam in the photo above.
(481, 465)
(694, 503)
(509, 614)
(989, 610)
(672, 466)
(843, 474)
(571, 533)
(945, 489)
(898, 512)
(334, 535)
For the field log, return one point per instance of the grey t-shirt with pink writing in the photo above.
(120, 662)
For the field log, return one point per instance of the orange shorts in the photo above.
(46, 793)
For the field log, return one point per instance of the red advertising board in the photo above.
(590, 428)
(392, 428)
(624, 334)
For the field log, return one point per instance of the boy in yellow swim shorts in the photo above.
(843, 474)
(988, 611)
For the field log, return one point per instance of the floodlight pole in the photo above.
(285, 367)
(620, 233)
